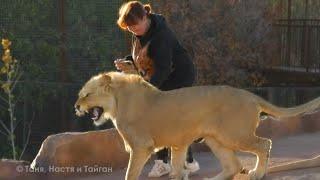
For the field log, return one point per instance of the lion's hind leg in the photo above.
(261, 148)
(229, 161)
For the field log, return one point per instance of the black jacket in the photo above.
(173, 66)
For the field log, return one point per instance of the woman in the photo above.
(171, 67)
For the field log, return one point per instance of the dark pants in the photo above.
(176, 83)
(164, 155)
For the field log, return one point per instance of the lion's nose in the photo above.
(77, 107)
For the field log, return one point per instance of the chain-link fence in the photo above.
(60, 44)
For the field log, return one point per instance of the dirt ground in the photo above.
(284, 150)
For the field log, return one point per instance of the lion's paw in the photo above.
(253, 175)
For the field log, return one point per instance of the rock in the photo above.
(12, 168)
(95, 149)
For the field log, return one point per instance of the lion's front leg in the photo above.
(178, 157)
(138, 158)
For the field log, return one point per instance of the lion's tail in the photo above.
(307, 163)
(280, 112)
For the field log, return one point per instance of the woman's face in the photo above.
(140, 28)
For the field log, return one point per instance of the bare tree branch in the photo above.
(2, 132)
(4, 126)
(17, 68)
(28, 137)
(16, 125)
(16, 81)
(26, 143)
(17, 121)
(3, 99)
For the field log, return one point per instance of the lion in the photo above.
(149, 119)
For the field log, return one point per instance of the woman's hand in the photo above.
(125, 66)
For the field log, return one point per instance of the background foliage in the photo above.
(57, 56)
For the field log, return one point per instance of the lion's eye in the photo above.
(87, 95)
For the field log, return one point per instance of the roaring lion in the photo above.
(149, 119)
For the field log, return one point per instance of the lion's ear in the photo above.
(107, 82)
(105, 79)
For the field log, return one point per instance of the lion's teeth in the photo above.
(95, 112)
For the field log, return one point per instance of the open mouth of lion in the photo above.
(95, 113)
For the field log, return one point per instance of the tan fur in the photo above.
(307, 163)
(149, 119)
